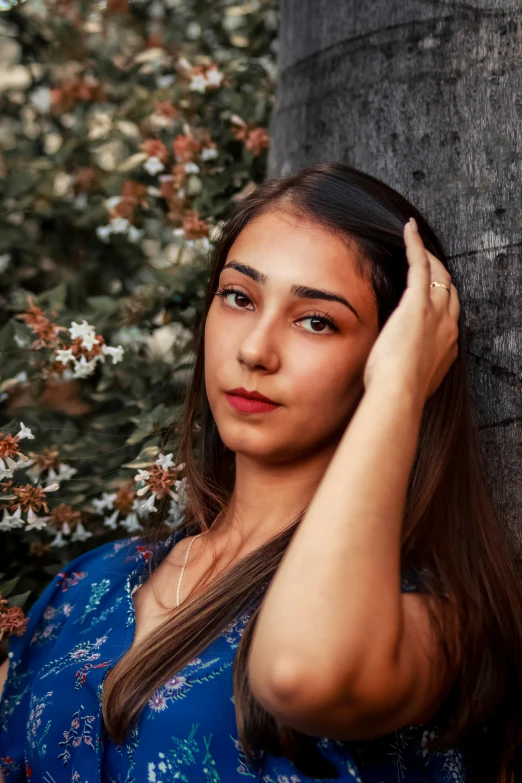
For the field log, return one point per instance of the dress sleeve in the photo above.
(25, 655)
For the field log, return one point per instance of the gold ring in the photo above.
(440, 285)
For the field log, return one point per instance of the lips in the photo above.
(251, 395)
(248, 405)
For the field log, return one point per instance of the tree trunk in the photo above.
(427, 96)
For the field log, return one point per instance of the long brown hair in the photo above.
(450, 529)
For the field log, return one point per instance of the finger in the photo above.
(419, 272)
(438, 270)
(454, 304)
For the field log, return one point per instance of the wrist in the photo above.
(398, 392)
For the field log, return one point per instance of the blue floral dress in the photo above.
(51, 727)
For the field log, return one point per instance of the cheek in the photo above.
(325, 383)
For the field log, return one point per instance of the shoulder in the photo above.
(98, 572)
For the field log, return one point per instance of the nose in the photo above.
(259, 347)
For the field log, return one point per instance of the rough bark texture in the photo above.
(427, 96)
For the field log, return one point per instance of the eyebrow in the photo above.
(300, 291)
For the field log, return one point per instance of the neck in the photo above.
(268, 496)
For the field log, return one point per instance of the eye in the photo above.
(322, 318)
(318, 318)
(225, 291)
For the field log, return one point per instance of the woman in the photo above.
(340, 600)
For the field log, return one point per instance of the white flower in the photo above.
(120, 225)
(134, 234)
(191, 168)
(144, 507)
(58, 540)
(52, 487)
(112, 202)
(65, 472)
(209, 153)
(153, 165)
(198, 83)
(81, 330)
(103, 232)
(165, 460)
(166, 80)
(142, 475)
(5, 472)
(131, 523)
(11, 521)
(64, 356)
(83, 368)
(41, 99)
(105, 502)
(34, 522)
(116, 354)
(174, 515)
(25, 432)
(110, 522)
(80, 533)
(214, 76)
(5, 260)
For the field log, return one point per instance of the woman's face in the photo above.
(265, 338)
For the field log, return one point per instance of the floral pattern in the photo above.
(51, 723)
(36, 733)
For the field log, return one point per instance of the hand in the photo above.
(418, 343)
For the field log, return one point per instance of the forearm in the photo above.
(334, 606)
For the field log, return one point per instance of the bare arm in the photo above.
(338, 651)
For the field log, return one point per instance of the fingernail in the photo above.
(413, 224)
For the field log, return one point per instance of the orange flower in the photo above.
(8, 446)
(184, 147)
(166, 108)
(117, 6)
(133, 194)
(257, 141)
(47, 459)
(124, 499)
(64, 514)
(31, 497)
(193, 227)
(46, 330)
(13, 621)
(160, 480)
(79, 88)
(155, 148)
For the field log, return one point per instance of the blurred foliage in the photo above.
(126, 128)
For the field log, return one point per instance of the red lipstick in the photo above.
(250, 401)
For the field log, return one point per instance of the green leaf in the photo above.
(145, 456)
(55, 297)
(20, 599)
(9, 586)
(103, 305)
(146, 427)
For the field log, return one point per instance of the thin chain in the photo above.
(184, 564)
(187, 554)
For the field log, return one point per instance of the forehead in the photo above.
(292, 249)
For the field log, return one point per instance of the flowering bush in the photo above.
(126, 128)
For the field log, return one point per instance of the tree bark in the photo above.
(427, 96)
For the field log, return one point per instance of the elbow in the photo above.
(277, 687)
(319, 705)
(290, 695)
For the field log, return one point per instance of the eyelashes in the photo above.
(225, 291)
